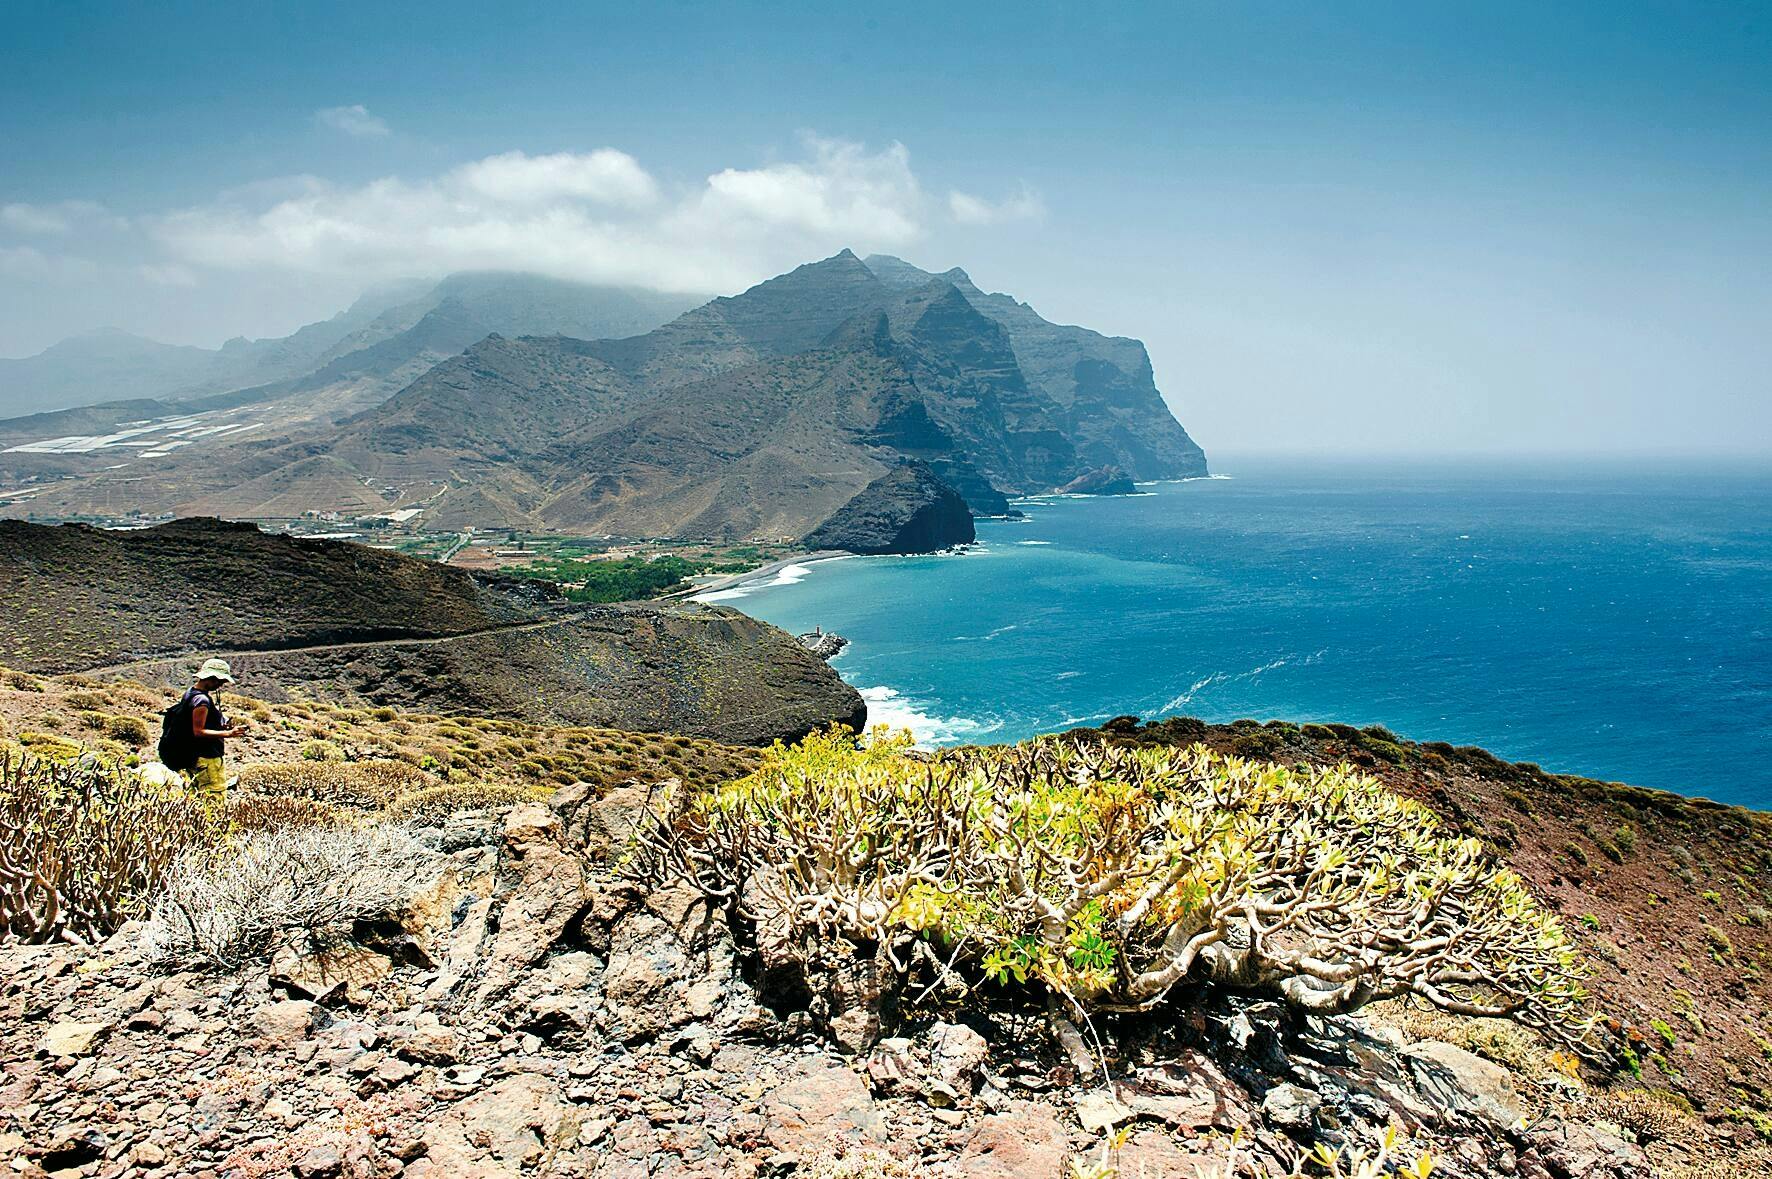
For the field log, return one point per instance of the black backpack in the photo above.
(178, 748)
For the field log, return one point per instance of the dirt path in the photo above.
(416, 641)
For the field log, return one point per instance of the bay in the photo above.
(1605, 619)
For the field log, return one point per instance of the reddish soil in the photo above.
(1670, 897)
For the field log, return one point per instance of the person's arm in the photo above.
(200, 724)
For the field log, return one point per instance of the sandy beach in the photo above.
(761, 572)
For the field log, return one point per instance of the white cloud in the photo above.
(596, 216)
(967, 209)
(267, 255)
(842, 189)
(354, 120)
(53, 219)
(605, 176)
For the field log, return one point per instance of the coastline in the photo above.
(1256, 597)
(733, 581)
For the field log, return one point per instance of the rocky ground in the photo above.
(530, 1012)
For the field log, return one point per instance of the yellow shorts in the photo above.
(210, 783)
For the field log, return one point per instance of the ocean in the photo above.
(1612, 620)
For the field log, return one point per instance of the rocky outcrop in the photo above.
(822, 643)
(906, 510)
(1101, 481)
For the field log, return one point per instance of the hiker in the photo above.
(195, 728)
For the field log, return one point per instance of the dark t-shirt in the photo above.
(207, 746)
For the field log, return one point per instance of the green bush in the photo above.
(321, 751)
(434, 803)
(131, 730)
(1107, 875)
(365, 784)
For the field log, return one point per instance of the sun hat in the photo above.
(216, 669)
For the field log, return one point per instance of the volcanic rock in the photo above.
(906, 510)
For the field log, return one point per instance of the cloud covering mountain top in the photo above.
(594, 216)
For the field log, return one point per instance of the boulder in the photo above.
(1189, 1093)
(602, 824)
(428, 1041)
(1151, 1154)
(510, 1127)
(1463, 1082)
(1099, 1111)
(1587, 1152)
(957, 1054)
(645, 984)
(542, 892)
(71, 1037)
(1024, 1142)
(1291, 1107)
(329, 974)
(285, 1023)
(819, 1103)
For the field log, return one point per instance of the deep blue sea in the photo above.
(1594, 619)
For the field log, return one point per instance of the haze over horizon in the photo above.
(1374, 228)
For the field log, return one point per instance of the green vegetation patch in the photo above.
(623, 579)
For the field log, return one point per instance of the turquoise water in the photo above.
(1596, 621)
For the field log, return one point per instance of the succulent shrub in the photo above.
(130, 730)
(1108, 876)
(82, 843)
(319, 750)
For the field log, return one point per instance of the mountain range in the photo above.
(870, 404)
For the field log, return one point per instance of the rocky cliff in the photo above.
(1101, 481)
(906, 510)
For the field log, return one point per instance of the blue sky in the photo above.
(1365, 227)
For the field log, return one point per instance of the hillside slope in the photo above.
(523, 1005)
(377, 340)
(328, 620)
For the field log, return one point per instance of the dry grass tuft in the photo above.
(222, 906)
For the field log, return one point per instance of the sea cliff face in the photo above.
(906, 510)
(1109, 480)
